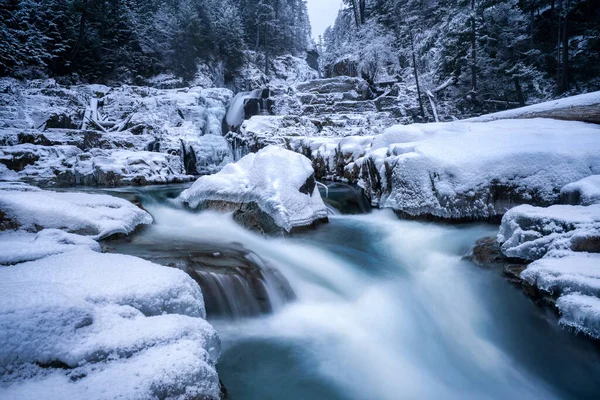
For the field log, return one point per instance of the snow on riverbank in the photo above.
(77, 323)
(105, 326)
(584, 192)
(565, 242)
(280, 182)
(99, 216)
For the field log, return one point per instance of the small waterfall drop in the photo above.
(235, 113)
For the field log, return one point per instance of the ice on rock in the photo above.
(89, 325)
(576, 272)
(45, 140)
(530, 233)
(581, 313)
(98, 216)
(280, 182)
(21, 246)
(583, 192)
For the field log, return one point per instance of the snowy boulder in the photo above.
(530, 233)
(576, 272)
(90, 325)
(98, 216)
(583, 192)
(21, 246)
(581, 313)
(338, 84)
(272, 191)
(465, 170)
(125, 167)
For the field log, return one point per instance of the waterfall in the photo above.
(235, 113)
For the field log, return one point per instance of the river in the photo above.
(382, 308)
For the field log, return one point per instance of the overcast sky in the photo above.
(322, 13)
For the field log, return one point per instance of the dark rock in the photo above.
(6, 223)
(309, 186)
(312, 59)
(20, 160)
(590, 244)
(61, 121)
(487, 253)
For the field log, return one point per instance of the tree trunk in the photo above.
(356, 15)
(416, 72)
(82, 23)
(473, 49)
(519, 92)
(362, 7)
(531, 24)
(558, 45)
(266, 49)
(564, 78)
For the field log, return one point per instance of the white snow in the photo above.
(478, 170)
(581, 313)
(576, 272)
(95, 215)
(587, 99)
(20, 246)
(122, 327)
(565, 241)
(271, 178)
(530, 233)
(584, 192)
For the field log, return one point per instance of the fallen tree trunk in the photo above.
(584, 108)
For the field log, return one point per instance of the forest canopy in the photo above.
(117, 39)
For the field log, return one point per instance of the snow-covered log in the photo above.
(583, 107)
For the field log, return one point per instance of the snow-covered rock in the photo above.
(565, 242)
(98, 216)
(21, 246)
(271, 190)
(576, 272)
(580, 312)
(89, 325)
(583, 192)
(125, 167)
(480, 170)
(45, 128)
(530, 233)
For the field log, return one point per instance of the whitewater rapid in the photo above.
(387, 309)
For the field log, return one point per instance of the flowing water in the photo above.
(372, 307)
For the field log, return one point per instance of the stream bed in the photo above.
(365, 307)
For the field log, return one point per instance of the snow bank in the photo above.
(581, 313)
(21, 246)
(280, 182)
(95, 215)
(530, 233)
(565, 241)
(576, 272)
(480, 170)
(85, 324)
(583, 192)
